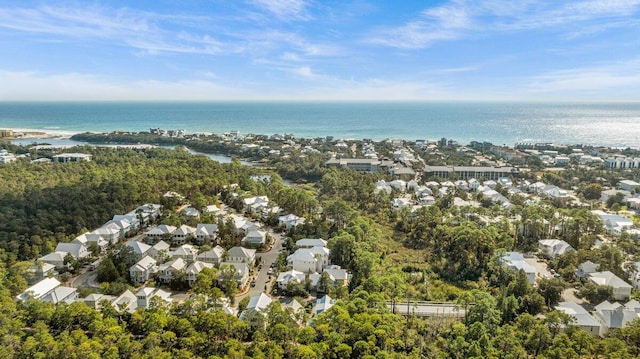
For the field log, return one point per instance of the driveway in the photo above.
(86, 280)
(268, 258)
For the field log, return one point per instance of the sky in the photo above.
(334, 50)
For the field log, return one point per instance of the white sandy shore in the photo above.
(20, 133)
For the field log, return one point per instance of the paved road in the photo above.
(86, 280)
(268, 258)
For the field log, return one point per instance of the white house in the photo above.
(311, 242)
(213, 256)
(111, 235)
(586, 268)
(206, 233)
(382, 186)
(191, 212)
(49, 290)
(292, 276)
(613, 223)
(145, 295)
(323, 304)
(132, 218)
(628, 185)
(254, 239)
(239, 254)
(241, 273)
(194, 269)
(256, 310)
(516, 261)
(77, 250)
(337, 275)
(256, 204)
(553, 247)
(621, 289)
(142, 270)
(243, 226)
(581, 318)
(167, 271)
(159, 251)
(56, 259)
(139, 249)
(183, 234)
(303, 260)
(186, 252)
(290, 220)
(158, 233)
(614, 315)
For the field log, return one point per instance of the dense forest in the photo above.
(441, 253)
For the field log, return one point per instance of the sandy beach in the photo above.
(27, 133)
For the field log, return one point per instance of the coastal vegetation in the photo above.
(440, 253)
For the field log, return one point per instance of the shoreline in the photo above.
(29, 133)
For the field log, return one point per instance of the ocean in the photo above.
(606, 124)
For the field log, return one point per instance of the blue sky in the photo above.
(320, 50)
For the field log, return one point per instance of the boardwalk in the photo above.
(427, 309)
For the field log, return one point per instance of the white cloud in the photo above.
(285, 9)
(33, 86)
(458, 19)
(622, 76)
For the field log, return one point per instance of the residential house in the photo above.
(621, 289)
(240, 275)
(254, 239)
(382, 185)
(303, 260)
(147, 295)
(56, 259)
(132, 218)
(290, 220)
(49, 290)
(169, 270)
(125, 302)
(586, 268)
(88, 238)
(292, 276)
(614, 315)
(186, 252)
(337, 275)
(614, 224)
(139, 249)
(40, 270)
(158, 233)
(323, 304)
(243, 226)
(515, 261)
(256, 204)
(212, 209)
(214, 256)
(111, 235)
(399, 203)
(143, 270)
(206, 233)
(93, 300)
(256, 310)
(160, 251)
(190, 212)
(77, 250)
(311, 242)
(123, 227)
(581, 318)
(183, 234)
(628, 185)
(553, 247)
(239, 254)
(194, 269)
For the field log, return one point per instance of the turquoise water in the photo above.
(610, 124)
